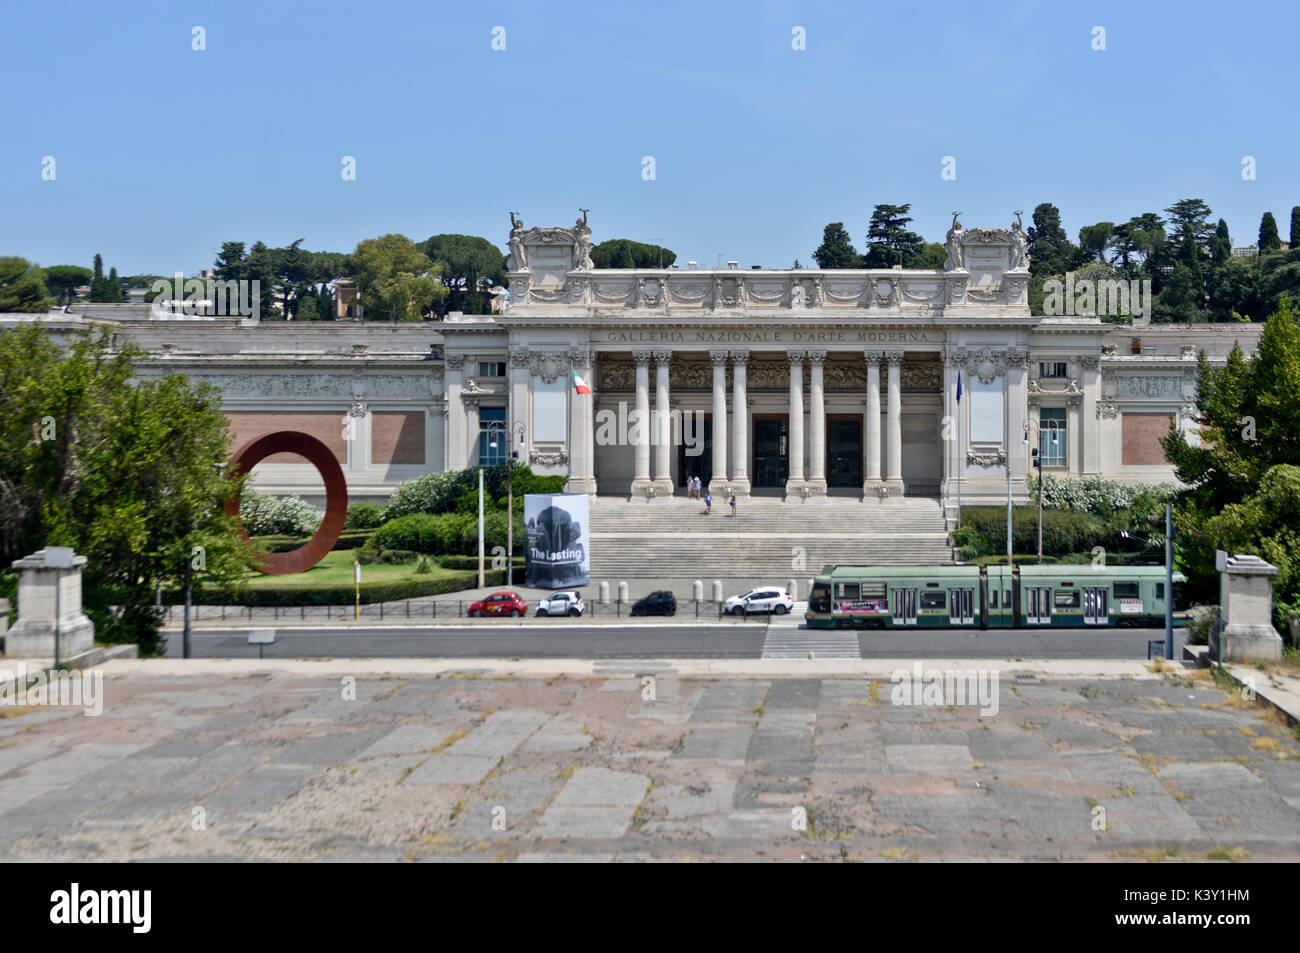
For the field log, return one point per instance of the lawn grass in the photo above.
(336, 570)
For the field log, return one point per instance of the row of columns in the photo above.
(736, 480)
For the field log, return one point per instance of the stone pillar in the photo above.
(894, 430)
(582, 445)
(642, 429)
(1074, 436)
(470, 405)
(718, 483)
(1017, 396)
(457, 440)
(871, 425)
(519, 402)
(953, 363)
(663, 431)
(794, 486)
(1245, 610)
(816, 425)
(740, 424)
(1090, 435)
(49, 588)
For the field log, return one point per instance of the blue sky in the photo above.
(163, 152)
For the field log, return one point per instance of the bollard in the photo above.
(622, 591)
(717, 590)
(604, 591)
(792, 587)
(697, 590)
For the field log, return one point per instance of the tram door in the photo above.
(961, 606)
(1038, 605)
(903, 606)
(1096, 605)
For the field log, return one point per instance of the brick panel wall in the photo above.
(325, 427)
(1141, 436)
(397, 438)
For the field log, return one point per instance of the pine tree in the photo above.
(1269, 240)
(836, 249)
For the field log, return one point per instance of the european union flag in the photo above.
(959, 387)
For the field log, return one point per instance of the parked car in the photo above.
(562, 603)
(657, 603)
(499, 603)
(771, 599)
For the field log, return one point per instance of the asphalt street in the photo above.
(661, 639)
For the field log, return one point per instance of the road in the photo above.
(663, 639)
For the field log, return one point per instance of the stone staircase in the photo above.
(671, 540)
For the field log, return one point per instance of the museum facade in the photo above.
(799, 384)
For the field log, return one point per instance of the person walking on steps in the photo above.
(733, 504)
(708, 502)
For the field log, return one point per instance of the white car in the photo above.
(771, 599)
(562, 603)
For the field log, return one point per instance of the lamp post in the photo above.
(1037, 464)
(1169, 575)
(496, 430)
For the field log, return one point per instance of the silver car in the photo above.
(562, 603)
(771, 599)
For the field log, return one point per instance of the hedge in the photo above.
(984, 533)
(339, 595)
(348, 539)
(471, 562)
(438, 492)
(444, 533)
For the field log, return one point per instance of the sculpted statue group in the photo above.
(954, 244)
(581, 233)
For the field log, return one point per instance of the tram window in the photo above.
(932, 600)
(820, 598)
(1066, 599)
(846, 590)
(1160, 591)
(1180, 598)
(993, 599)
(1006, 598)
(873, 590)
(1126, 590)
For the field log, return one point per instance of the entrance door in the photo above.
(961, 608)
(695, 453)
(771, 464)
(844, 450)
(1038, 605)
(903, 606)
(1096, 605)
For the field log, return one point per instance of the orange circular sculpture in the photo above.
(336, 496)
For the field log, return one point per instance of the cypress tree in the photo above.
(1269, 240)
(1295, 227)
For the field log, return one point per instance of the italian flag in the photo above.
(580, 385)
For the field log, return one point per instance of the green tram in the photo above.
(992, 597)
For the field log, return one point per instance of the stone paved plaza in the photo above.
(470, 767)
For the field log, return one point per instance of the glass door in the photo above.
(1096, 605)
(771, 451)
(1038, 605)
(903, 606)
(961, 606)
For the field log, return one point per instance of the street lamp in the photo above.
(1037, 464)
(497, 431)
(1169, 575)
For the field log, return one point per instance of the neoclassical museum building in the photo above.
(798, 384)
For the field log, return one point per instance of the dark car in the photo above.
(657, 603)
(499, 603)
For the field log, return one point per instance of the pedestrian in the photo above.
(708, 502)
(695, 488)
(733, 504)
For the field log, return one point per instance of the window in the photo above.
(1051, 369)
(1160, 591)
(1126, 590)
(932, 600)
(993, 599)
(1065, 599)
(1052, 436)
(491, 369)
(492, 437)
(846, 590)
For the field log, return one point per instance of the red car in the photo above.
(499, 603)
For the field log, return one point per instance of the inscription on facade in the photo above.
(766, 336)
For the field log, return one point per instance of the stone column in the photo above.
(470, 405)
(794, 486)
(816, 425)
(663, 431)
(1017, 394)
(457, 455)
(1073, 436)
(718, 482)
(582, 445)
(641, 482)
(894, 430)
(1091, 439)
(49, 589)
(740, 424)
(953, 363)
(519, 405)
(871, 425)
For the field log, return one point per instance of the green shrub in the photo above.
(364, 516)
(339, 595)
(437, 493)
(471, 562)
(423, 567)
(984, 532)
(285, 544)
(445, 533)
(264, 515)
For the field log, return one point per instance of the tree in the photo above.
(397, 281)
(1050, 250)
(22, 286)
(1138, 242)
(463, 260)
(63, 280)
(1248, 427)
(889, 242)
(1095, 239)
(229, 265)
(640, 255)
(1190, 217)
(932, 257)
(1182, 298)
(1269, 239)
(836, 249)
(128, 473)
(1221, 244)
(1294, 240)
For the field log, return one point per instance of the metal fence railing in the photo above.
(423, 610)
